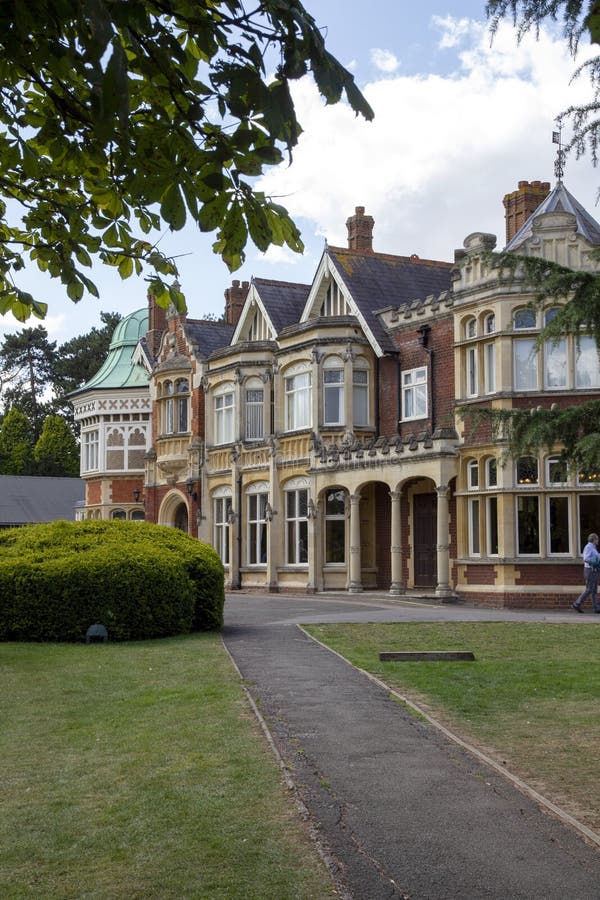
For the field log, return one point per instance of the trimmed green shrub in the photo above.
(139, 580)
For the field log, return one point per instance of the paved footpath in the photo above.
(403, 811)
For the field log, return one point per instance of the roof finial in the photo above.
(559, 165)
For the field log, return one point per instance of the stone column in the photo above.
(397, 586)
(443, 543)
(313, 541)
(355, 586)
(274, 527)
(233, 582)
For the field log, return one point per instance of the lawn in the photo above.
(530, 700)
(138, 771)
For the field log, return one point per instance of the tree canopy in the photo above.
(118, 119)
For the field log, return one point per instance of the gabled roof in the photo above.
(118, 369)
(26, 499)
(207, 336)
(559, 200)
(376, 280)
(283, 301)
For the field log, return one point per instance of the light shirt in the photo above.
(590, 554)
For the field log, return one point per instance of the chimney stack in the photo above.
(522, 203)
(235, 297)
(157, 324)
(360, 231)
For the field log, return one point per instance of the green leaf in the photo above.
(172, 207)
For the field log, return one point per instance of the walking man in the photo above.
(591, 564)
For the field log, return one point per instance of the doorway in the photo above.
(425, 539)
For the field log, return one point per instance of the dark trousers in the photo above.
(591, 587)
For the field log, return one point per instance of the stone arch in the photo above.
(174, 511)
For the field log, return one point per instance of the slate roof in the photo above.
(377, 280)
(208, 336)
(284, 301)
(559, 200)
(26, 499)
(117, 370)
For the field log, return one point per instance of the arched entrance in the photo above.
(180, 519)
(174, 511)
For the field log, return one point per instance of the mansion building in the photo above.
(312, 436)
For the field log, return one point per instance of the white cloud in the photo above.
(384, 60)
(442, 151)
(454, 31)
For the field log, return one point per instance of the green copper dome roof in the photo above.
(118, 371)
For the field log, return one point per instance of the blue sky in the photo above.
(458, 123)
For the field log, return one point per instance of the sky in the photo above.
(459, 121)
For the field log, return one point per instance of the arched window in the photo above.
(473, 474)
(471, 328)
(118, 514)
(222, 506)
(527, 471)
(296, 521)
(257, 498)
(523, 318)
(489, 324)
(491, 472)
(335, 526)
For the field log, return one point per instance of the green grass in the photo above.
(531, 699)
(137, 771)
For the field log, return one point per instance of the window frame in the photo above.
(224, 414)
(296, 525)
(256, 524)
(411, 389)
(332, 520)
(293, 394)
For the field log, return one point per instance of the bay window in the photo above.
(255, 406)
(298, 399)
(360, 396)
(333, 394)
(256, 504)
(224, 415)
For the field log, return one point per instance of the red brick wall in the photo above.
(480, 574)
(440, 340)
(549, 574)
(93, 492)
(122, 489)
(388, 397)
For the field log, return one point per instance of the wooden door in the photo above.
(425, 539)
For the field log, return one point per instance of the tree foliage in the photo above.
(16, 444)
(56, 451)
(27, 359)
(120, 118)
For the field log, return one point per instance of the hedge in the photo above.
(137, 579)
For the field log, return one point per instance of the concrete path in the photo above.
(404, 812)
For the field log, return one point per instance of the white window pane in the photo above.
(587, 369)
(525, 365)
(555, 359)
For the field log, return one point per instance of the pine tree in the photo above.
(56, 451)
(16, 444)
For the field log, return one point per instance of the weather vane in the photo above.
(559, 165)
